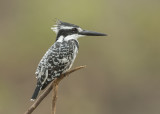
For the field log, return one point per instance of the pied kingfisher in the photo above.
(61, 55)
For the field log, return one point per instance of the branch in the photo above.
(54, 85)
(54, 99)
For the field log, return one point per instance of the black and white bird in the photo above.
(61, 55)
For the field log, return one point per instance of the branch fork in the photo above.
(54, 86)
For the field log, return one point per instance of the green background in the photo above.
(123, 69)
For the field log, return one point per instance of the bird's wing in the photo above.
(56, 60)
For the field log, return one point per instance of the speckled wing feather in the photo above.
(57, 60)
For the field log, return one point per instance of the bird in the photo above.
(60, 56)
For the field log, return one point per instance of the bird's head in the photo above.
(66, 31)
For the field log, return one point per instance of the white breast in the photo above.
(74, 56)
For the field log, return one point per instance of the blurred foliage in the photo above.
(123, 69)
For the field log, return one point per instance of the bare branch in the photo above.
(54, 86)
(54, 99)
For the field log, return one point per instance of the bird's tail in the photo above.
(35, 94)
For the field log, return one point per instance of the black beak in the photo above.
(91, 33)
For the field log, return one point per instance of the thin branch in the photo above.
(54, 99)
(49, 88)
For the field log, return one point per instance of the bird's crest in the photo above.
(62, 25)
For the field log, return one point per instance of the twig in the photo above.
(54, 99)
(54, 85)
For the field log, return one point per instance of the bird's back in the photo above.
(57, 60)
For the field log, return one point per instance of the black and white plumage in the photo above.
(61, 55)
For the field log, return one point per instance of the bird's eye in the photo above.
(75, 30)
